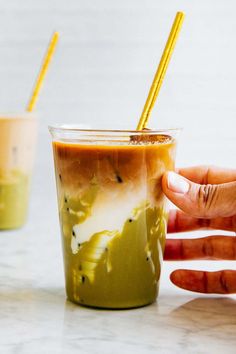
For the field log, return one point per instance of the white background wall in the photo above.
(104, 65)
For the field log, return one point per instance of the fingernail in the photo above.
(176, 183)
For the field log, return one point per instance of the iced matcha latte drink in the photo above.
(112, 212)
(17, 142)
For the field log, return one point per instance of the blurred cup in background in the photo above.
(17, 144)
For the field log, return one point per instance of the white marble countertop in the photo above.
(35, 316)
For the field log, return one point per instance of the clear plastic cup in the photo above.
(17, 145)
(113, 213)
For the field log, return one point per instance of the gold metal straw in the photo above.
(161, 70)
(43, 71)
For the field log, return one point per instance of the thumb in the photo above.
(202, 201)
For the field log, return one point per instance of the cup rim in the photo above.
(19, 115)
(57, 128)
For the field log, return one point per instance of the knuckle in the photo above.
(233, 220)
(224, 282)
(234, 249)
(207, 196)
(207, 248)
(204, 223)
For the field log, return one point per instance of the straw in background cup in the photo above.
(43, 71)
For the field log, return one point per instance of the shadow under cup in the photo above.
(113, 213)
(17, 145)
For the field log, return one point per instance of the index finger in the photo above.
(208, 174)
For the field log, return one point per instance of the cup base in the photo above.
(113, 307)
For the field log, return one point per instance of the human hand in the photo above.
(207, 199)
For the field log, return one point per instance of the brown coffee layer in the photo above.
(114, 166)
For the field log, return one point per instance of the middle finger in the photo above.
(181, 222)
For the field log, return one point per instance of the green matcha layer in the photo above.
(14, 195)
(113, 268)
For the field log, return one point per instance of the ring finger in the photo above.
(204, 248)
